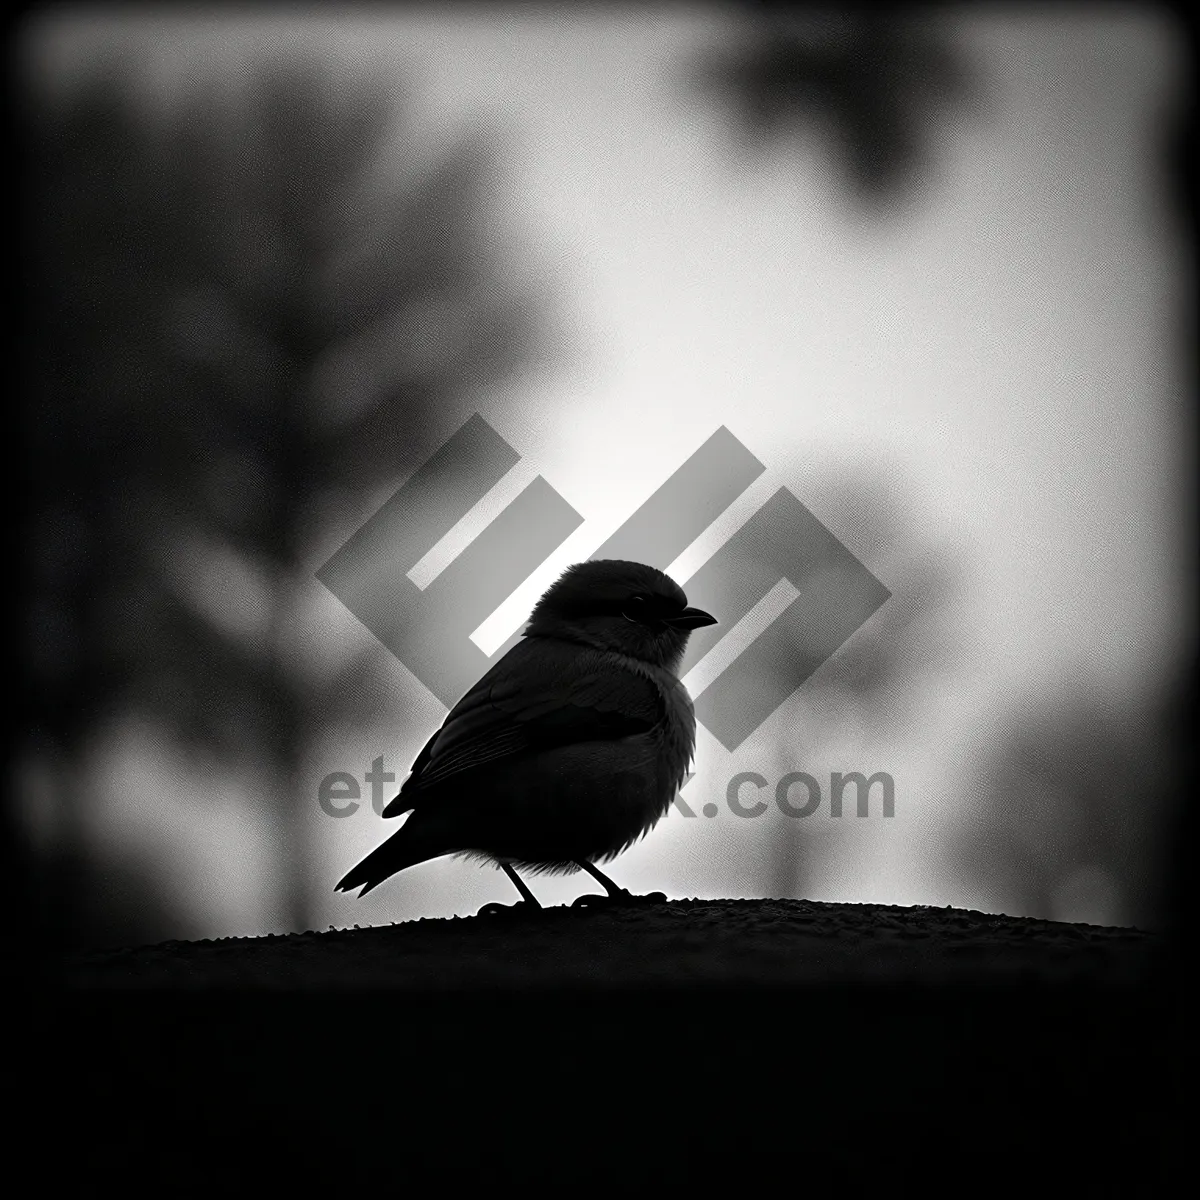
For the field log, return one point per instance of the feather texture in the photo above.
(543, 693)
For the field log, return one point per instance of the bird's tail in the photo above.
(405, 848)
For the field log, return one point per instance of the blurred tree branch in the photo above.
(207, 286)
(872, 80)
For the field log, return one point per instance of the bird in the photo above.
(568, 750)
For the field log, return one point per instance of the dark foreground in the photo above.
(734, 1044)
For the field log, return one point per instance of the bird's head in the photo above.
(623, 606)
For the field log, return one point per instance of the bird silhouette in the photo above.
(569, 749)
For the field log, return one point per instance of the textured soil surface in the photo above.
(740, 1046)
(684, 943)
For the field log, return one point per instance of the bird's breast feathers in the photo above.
(675, 733)
(547, 694)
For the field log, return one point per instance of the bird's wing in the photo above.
(542, 693)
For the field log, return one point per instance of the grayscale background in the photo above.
(932, 269)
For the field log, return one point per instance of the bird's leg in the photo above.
(616, 895)
(602, 879)
(528, 899)
(520, 885)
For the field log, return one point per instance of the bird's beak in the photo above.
(690, 618)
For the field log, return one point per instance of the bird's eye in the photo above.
(636, 608)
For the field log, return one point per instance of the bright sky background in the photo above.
(1005, 352)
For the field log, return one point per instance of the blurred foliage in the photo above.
(233, 313)
(1071, 820)
(1074, 804)
(866, 691)
(871, 81)
(886, 665)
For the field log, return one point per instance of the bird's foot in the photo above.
(621, 899)
(496, 909)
